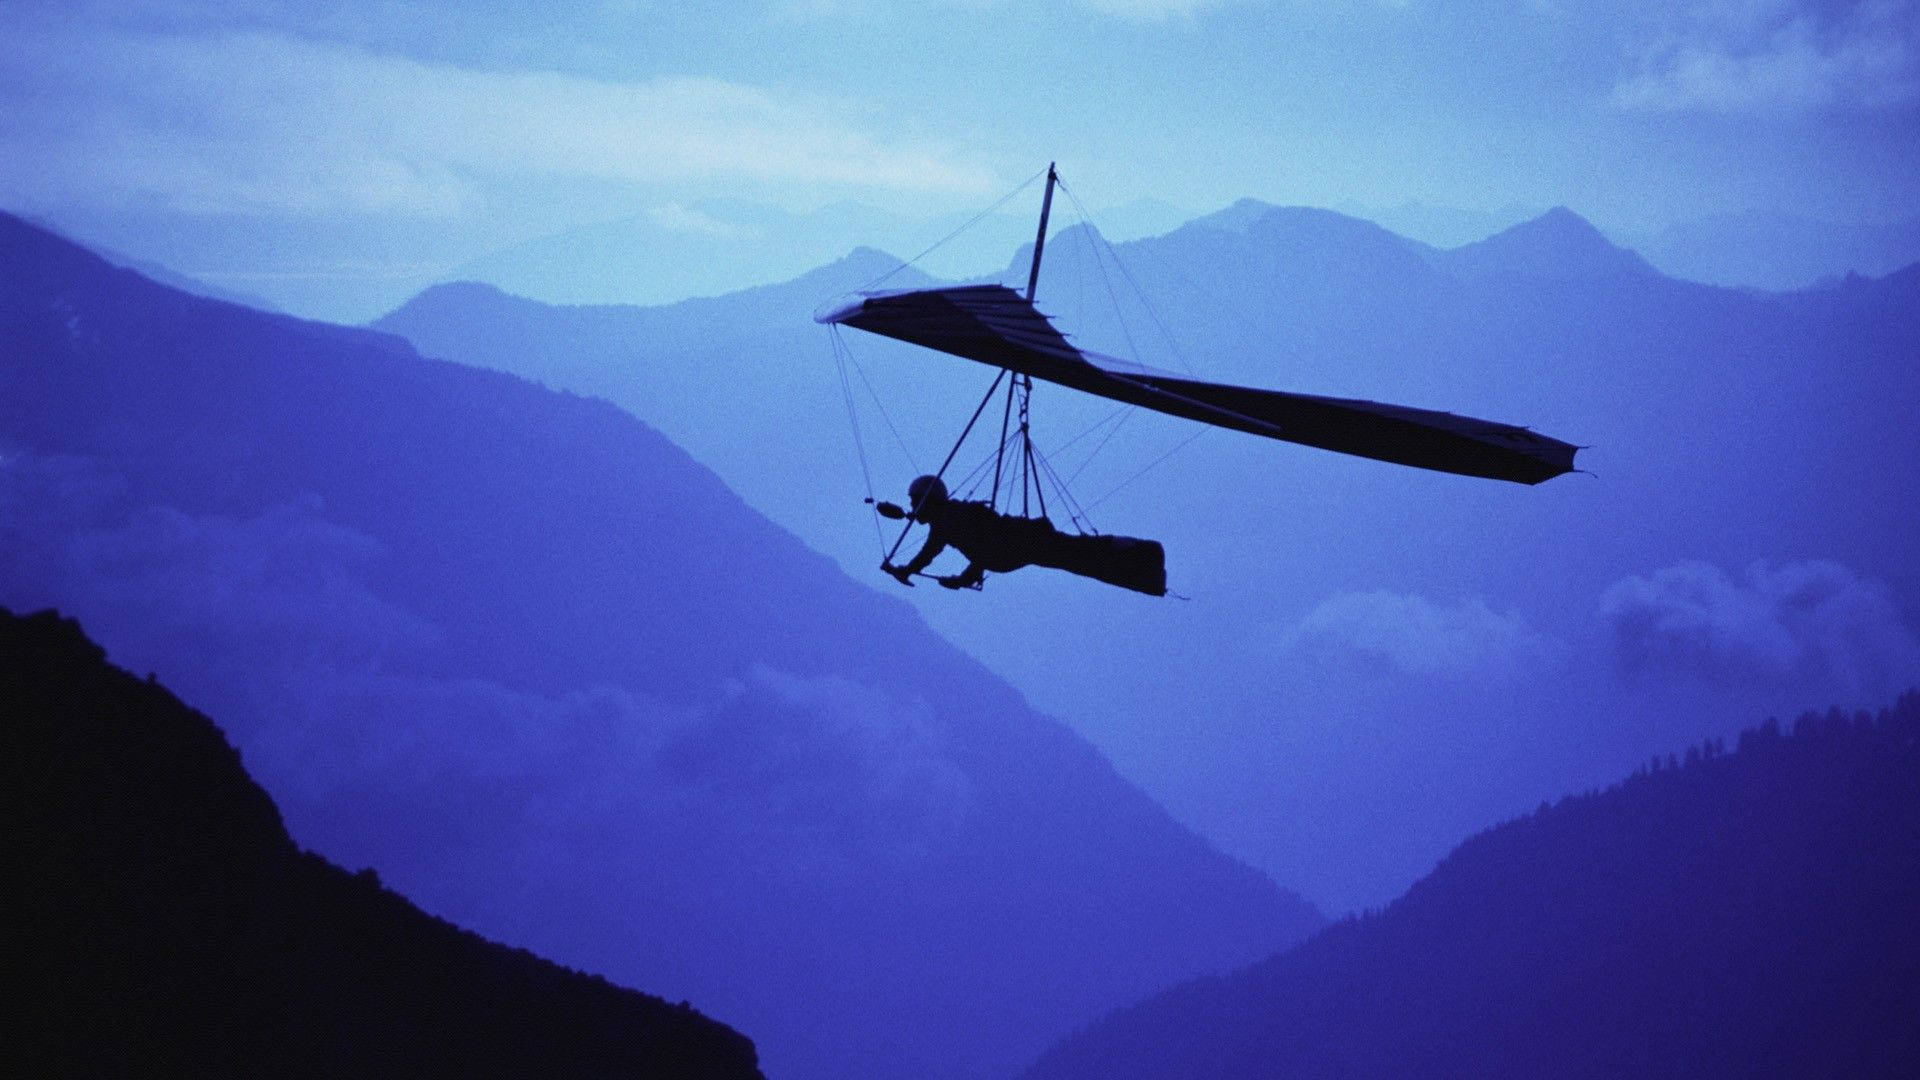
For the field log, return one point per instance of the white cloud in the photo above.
(1774, 56)
(1420, 637)
(1815, 625)
(269, 123)
(681, 218)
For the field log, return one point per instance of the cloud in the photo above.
(842, 762)
(1814, 625)
(278, 626)
(241, 587)
(1862, 55)
(680, 218)
(257, 122)
(1420, 637)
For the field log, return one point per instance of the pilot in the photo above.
(990, 540)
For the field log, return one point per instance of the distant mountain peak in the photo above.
(464, 296)
(466, 290)
(869, 258)
(1237, 218)
(1559, 244)
(1559, 225)
(1083, 236)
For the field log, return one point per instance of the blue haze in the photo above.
(1375, 663)
(336, 160)
(545, 674)
(1376, 660)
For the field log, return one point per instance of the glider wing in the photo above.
(997, 326)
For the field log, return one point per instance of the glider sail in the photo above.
(997, 326)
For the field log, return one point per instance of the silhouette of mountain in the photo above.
(168, 926)
(1745, 914)
(1440, 225)
(1557, 244)
(522, 655)
(718, 246)
(1760, 250)
(1725, 427)
(165, 276)
(1239, 217)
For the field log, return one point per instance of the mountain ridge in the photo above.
(171, 926)
(1557, 244)
(1729, 915)
(1688, 395)
(453, 615)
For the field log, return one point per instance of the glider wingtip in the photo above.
(839, 309)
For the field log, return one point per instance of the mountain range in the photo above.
(524, 657)
(1779, 251)
(674, 251)
(167, 925)
(717, 246)
(1732, 915)
(1753, 249)
(1393, 658)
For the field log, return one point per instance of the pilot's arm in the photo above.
(928, 552)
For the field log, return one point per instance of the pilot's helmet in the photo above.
(926, 491)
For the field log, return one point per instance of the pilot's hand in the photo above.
(952, 581)
(900, 573)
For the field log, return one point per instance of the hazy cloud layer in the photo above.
(263, 123)
(1816, 625)
(1783, 56)
(1420, 637)
(274, 624)
(241, 588)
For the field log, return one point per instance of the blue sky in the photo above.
(376, 136)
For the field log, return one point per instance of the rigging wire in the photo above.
(1218, 302)
(970, 483)
(1125, 415)
(840, 356)
(1172, 344)
(975, 220)
(1026, 439)
(1076, 514)
(1100, 264)
(1095, 426)
(1184, 443)
(1006, 414)
(877, 403)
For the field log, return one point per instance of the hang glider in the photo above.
(997, 326)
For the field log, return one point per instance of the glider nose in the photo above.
(840, 312)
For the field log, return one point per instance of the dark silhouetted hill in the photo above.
(161, 922)
(167, 276)
(523, 656)
(1735, 915)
